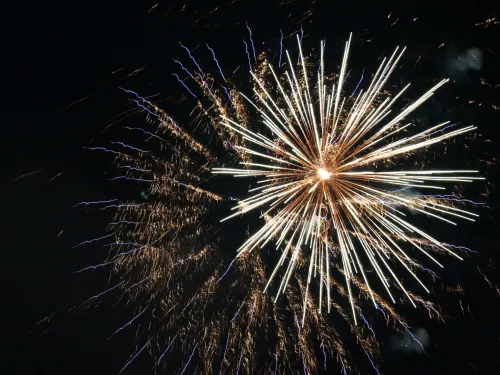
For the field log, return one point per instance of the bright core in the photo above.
(323, 174)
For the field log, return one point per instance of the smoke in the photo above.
(472, 59)
(403, 342)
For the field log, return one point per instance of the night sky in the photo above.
(62, 69)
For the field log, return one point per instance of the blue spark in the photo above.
(124, 222)
(189, 360)
(412, 335)
(440, 130)
(383, 312)
(137, 283)
(168, 347)
(121, 205)
(228, 268)
(106, 291)
(281, 48)
(369, 327)
(373, 365)
(191, 56)
(237, 312)
(94, 267)
(95, 202)
(185, 86)
(93, 240)
(129, 178)
(103, 149)
(128, 323)
(145, 132)
(127, 146)
(215, 59)
(228, 95)
(134, 168)
(361, 80)
(324, 353)
(248, 55)
(183, 68)
(135, 356)
(251, 41)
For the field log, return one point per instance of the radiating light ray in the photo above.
(318, 188)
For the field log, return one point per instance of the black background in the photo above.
(56, 54)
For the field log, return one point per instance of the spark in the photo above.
(251, 41)
(128, 146)
(333, 195)
(128, 323)
(189, 360)
(24, 175)
(215, 59)
(248, 54)
(93, 240)
(165, 351)
(309, 178)
(95, 202)
(185, 86)
(191, 56)
(281, 48)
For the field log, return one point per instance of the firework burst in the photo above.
(320, 186)
(328, 163)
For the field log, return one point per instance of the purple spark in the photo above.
(94, 267)
(297, 322)
(215, 59)
(183, 68)
(189, 360)
(251, 40)
(369, 327)
(324, 354)
(128, 323)
(93, 240)
(237, 312)
(134, 168)
(145, 108)
(383, 312)
(168, 347)
(129, 178)
(95, 202)
(205, 84)
(127, 146)
(361, 80)
(125, 222)
(137, 283)
(121, 205)
(185, 86)
(227, 93)
(428, 305)
(191, 56)
(106, 291)
(373, 365)
(344, 369)
(412, 335)
(225, 350)
(224, 274)
(103, 149)
(248, 55)
(441, 130)
(135, 356)
(145, 132)
(281, 48)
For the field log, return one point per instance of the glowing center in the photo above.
(323, 174)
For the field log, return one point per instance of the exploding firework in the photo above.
(333, 199)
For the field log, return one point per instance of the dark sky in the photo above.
(56, 55)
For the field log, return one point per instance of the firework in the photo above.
(325, 200)
(320, 186)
